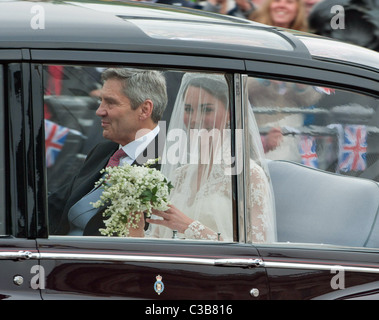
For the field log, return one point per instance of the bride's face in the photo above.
(202, 110)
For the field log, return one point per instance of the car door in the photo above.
(130, 268)
(19, 271)
(100, 268)
(320, 139)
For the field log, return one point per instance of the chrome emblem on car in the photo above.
(158, 285)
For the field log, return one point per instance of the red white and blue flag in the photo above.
(55, 137)
(353, 149)
(325, 90)
(307, 148)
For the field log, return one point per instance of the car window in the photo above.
(2, 156)
(335, 133)
(71, 126)
(198, 158)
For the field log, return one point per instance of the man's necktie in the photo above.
(114, 161)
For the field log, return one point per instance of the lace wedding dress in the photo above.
(203, 190)
(211, 207)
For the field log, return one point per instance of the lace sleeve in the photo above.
(260, 206)
(198, 231)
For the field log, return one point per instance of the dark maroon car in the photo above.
(319, 96)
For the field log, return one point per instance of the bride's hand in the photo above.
(173, 218)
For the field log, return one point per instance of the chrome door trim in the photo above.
(17, 255)
(319, 267)
(229, 262)
(224, 262)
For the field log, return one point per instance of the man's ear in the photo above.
(146, 109)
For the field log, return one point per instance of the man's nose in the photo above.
(101, 112)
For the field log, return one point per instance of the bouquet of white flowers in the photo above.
(128, 190)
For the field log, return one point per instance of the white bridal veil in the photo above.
(198, 160)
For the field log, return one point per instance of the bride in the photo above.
(199, 166)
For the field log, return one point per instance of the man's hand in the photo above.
(139, 231)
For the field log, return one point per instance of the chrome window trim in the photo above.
(246, 143)
(239, 91)
(3, 207)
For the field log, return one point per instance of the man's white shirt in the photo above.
(136, 147)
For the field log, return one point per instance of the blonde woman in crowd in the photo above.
(289, 14)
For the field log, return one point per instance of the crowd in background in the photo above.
(353, 21)
(291, 14)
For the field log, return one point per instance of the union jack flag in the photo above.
(354, 148)
(325, 90)
(55, 137)
(307, 148)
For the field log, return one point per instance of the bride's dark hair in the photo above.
(216, 87)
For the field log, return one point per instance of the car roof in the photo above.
(132, 26)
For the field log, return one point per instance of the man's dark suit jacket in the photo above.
(63, 199)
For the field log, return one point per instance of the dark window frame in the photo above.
(3, 204)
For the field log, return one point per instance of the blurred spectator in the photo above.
(242, 9)
(282, 13)
(309, 5)
(353, 21)
(180, 3)
(217, 6)
(257, 3)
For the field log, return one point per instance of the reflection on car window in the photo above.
(71, 126)
(335, 132)
(324, 128)
(2, 160)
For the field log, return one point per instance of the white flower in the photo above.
(127, 190)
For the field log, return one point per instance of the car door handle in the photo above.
(19, 255)
(244, 263)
